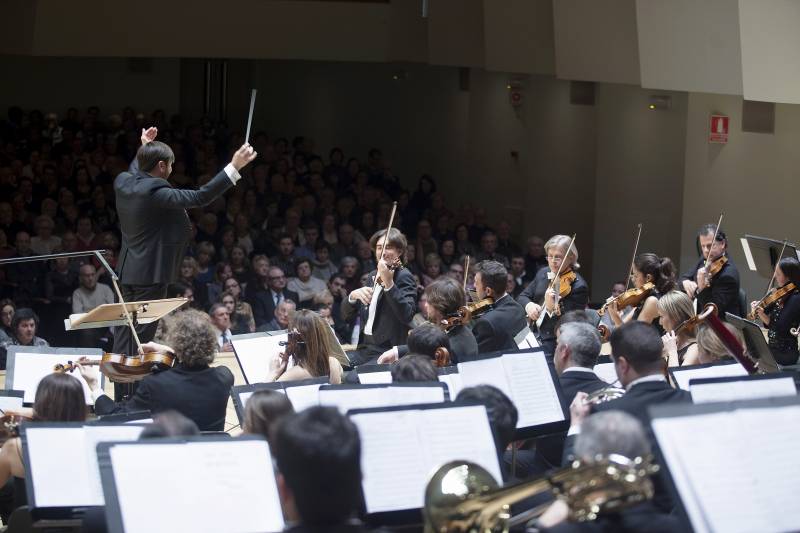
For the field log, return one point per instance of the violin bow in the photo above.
(775, 270)
(466, 272)
(716, 232)
(633, 258)
(553, 282)
(383, 243)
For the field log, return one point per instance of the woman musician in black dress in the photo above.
(544, 304)
(783, 313)
(651, 276)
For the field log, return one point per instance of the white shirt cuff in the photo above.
(232, 173)
(574, 430)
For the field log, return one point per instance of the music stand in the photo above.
(761, 253)
(106, 315)
(757, 345)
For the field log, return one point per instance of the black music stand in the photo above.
(757, 345)
(761, 253)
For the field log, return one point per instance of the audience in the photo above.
(23, 333)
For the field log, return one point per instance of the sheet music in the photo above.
(529, 341)
(732, 468)
(63, 462)
(682, 377)
(607, 373)
(10, 402)
(363, 398)
(532, 389)
(453, 382)
(244, 396)
(394, 475)
(231, 482)
(401, 450)
(412, 395)
(303, 396)
(30, 368)
(485, 372)
(255, 355)
(728, 391)
(375, 378)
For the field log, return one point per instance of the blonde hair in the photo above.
(678, 308)
(561, 242)
(709, 346)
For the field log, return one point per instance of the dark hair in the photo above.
(445, 295)
(414, 367)
(301, 261)
(23, 313)
(577, 315)
(790, 267)
(500, 409)
(170, 423)
(426, 338)
(493, 275)
(322, 244)
(59, 398)
(177, 289)
(216, 306)
(710, 229)
(640, 344)
(395, 240)
(151, 153)
(318, 452)
(263, 410)
(660, 269)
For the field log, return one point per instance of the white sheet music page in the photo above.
(532, 389)
(58, 467)
(10, 402)
(453, 382)
(30, 368)
(375, 378)
(394, 475)
(92, 436)
(232, 487)
(303, 396)
(728, 391)
(255, 355)
(682, 377)
(485, 372)
(458, 433)
(412, 395)
(607, 373)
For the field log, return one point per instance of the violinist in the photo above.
(497, 328)
(676, 314)
(784, 313)
(59, 398)
(539, 298)
(710, 348)
(651, 276)
(445, 298)
(192, 387)
(312, 347)
(719, 284)
(385, 308)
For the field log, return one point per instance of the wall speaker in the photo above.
(758, 117)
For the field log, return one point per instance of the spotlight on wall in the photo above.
(659, 102)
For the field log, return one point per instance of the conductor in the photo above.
(155, 226)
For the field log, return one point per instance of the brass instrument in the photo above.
(464, 497)
(606, 394)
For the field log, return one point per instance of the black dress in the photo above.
(783, 316)
(638, 310)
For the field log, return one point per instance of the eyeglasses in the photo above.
(555, 257)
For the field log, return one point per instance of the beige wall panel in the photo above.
(686, 45)
(596, 41)
(770, 50)
(455, 33)
(519, 36)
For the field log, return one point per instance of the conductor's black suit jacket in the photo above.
(200, 394)
(154, 224)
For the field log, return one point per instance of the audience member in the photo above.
(282, 316)
(221, 320)
(305, 285)
(23, 333)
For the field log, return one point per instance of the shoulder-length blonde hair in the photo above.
(561, 242)
(709, 346)
(318, 342)
(678, 308)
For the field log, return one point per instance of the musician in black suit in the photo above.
(191, 387)
(496, 329)
(155, 227)
(721, 289)
(385, 309)
(541, 303)
(445, 297)
(265, 299)
(605, 434)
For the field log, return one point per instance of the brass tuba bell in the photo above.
(463, 497)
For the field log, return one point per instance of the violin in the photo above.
(631, 297)
(128, 369)
(70, 367)
(565, 282)
(10, 424)
(397, 264)
(465, 313)
(772, 298)
(292, 344)
(716, 265)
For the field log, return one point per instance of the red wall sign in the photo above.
(718, 129)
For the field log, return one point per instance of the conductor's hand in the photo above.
(89, 374)
(149, 135)
(243, 156)
(363, 295)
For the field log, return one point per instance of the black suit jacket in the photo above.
(496, 329)
(396, 308)
(263, 305)
(641, 517)
(200, 394)
(577, 298)
(154, 224)
(463, 345)
(724, 289)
